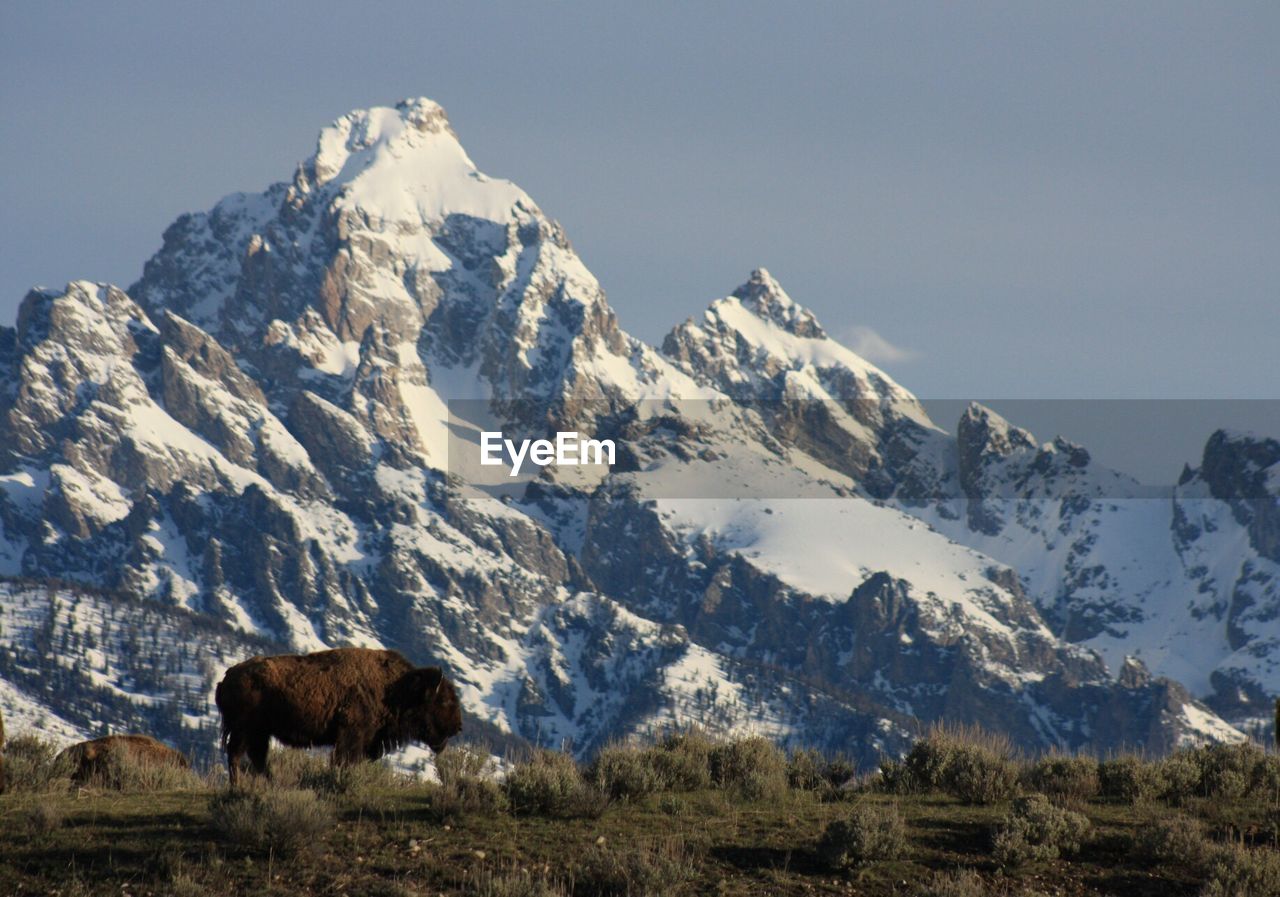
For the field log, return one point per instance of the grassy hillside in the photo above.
(957, 818)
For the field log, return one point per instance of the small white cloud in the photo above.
(874, 347)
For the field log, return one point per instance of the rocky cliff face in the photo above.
(257, 436)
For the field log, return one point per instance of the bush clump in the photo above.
(1266, 777)
(469, 796)
(1063, 778)
(926, 764)
(960, 883)
(753, 768)
(869, 833)
(464, 787)
(683, 760)
(1179, 775)
(357, 781)
(809, 770)
(980, 776)
(462, 761)
(643, 870)
(43, 817)
(1227, 771)
(1176, 839)
(290, 767)
(625, 772)
(966, 762)
(32, 765)
(550, 784)
(283, 821)
(1038, 830)
(1238, 871)
(1130, 779)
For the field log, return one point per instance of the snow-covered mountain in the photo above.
(250, 449)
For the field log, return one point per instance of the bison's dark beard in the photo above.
(391, 738)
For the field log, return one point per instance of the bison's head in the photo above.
(427, 706)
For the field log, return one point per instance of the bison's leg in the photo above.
(348, 748)
(259, 746)
(235, 752)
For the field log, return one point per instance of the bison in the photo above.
(88, 759)
(362, 701)
(3, 780)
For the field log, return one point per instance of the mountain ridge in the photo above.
(258, 432)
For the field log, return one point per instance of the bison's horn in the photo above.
(439, 683)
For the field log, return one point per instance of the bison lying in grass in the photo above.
(88, 759)
(364, 702)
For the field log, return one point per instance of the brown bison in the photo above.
(362, 701)
(89, 759)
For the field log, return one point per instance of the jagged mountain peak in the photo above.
(764, 297)
(760, 342)
(363, 129)
(1240, 463)
(404, 164)
(985, 431)
(84, 315)
(389, 233)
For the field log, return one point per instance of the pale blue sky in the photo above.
(1031, 200)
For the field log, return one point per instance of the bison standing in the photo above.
(362, 701)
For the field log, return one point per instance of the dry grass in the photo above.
(686, 815)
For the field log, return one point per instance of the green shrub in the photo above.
(1179, 775)
(290, 767)
(980, 776)
(624, 772)
(464, 787)
(1037, 830)
(1227, 770)
(359, 781)
(32, 765)
(753, 768)
(960, 883)
(43, 817)
(282, 821)
(869, 833)
(550, 784)
(1071, 779)
(926, 764)
(468, 796)
(967, 762)
(462, 761)
(1266, 777)
(1130, 779)
(896, 778)
(807, 770)
(1236, 871)
(673, 805)
(683, 760)
(644, 870)
(840, 771)
(1175, 839)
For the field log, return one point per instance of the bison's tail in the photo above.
(218, 698)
